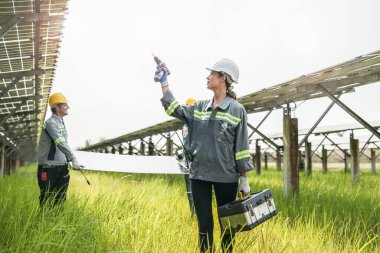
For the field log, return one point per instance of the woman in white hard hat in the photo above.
(219, 146)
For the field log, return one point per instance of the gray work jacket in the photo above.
(53, 148)
(218, 138)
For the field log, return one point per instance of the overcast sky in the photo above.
(105, 67)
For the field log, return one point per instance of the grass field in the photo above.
(149, 213)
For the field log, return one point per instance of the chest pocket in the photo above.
(62, 129)
(225, 132)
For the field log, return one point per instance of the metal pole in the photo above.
(346, 162)
(373, 161)
(308, 159)
(291, 177)
(278, 160)
(324, 160)
(354, 145)
(142, 147)
(258, 158)
(265, 160)
(2, 163)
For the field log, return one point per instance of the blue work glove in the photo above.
(161, 74)
(244, 186)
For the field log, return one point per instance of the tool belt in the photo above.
(46, 166)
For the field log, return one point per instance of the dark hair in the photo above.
(230, 92)
(54, 109)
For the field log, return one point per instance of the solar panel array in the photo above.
(30, 37)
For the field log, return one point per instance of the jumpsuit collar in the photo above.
(225, 103)
(58, 118)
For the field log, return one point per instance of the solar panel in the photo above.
(30, 37)
(130, 163)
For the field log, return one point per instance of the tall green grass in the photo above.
(150, 213)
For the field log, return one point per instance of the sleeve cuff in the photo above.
(244, 165)
(164, 83)
(167, 98)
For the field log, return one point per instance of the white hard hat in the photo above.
(226, 66)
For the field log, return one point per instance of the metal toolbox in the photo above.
(243, 215)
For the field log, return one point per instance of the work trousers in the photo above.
(202, 195)
(53, 183)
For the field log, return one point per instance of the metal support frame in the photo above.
(11, 22)
(5, 118)
(264, 136)
(315, 150)
(331, 152)
(22, 143)
(171, 136)
(22, 114)
(316, 123)
(333, 143)
(30, 17)
(261, 122)
(37, 30)
(272, 156)
(18, 77)
(134, 148)
(349, 111)
(159, 152)
(337, 154)
(365, 146)
(18, 99)
(366, 156)
(8, 126)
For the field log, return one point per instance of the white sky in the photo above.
(106, 69)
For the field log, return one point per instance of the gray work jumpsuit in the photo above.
(54, 154)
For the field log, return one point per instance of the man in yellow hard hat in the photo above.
(54, 154)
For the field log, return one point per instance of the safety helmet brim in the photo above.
(226, 66)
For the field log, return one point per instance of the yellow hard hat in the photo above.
(57, 98)
(190, 101)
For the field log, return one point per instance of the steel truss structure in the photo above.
(30, 38)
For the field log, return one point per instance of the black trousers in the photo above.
(53, 183)
(202, 195)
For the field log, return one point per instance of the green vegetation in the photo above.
(150, 213)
